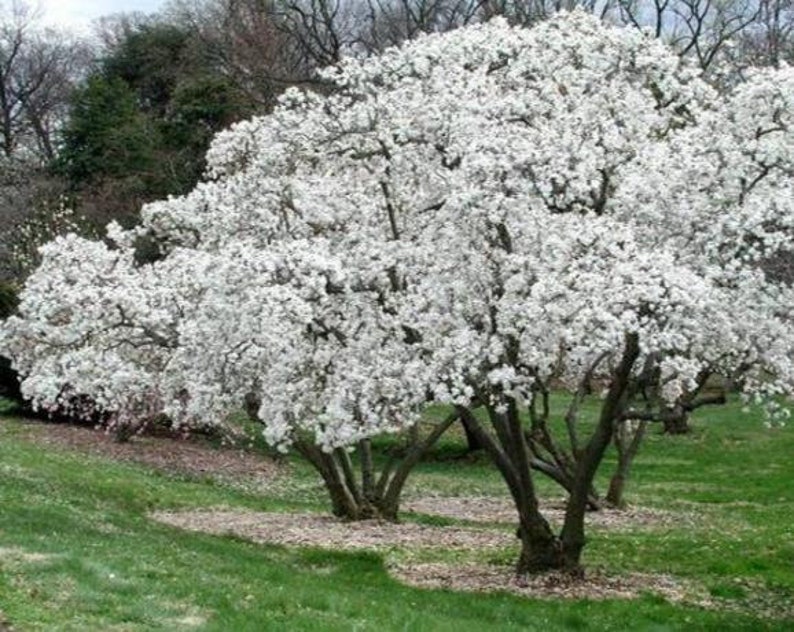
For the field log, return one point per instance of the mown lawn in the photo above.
(78, 552)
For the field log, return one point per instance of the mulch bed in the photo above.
(192, 455)
(594, 585)
(322, 531)
(501, 510)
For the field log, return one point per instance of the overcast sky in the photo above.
(80, 13)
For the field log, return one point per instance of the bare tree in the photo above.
(38, 69)
(111, 30)
(770, 39)
(389, 22)
(270, 44)
(252, 43)
(697, 28)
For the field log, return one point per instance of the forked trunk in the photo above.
(507, 446)
(360, 493)
(367, 494)
(572, 535)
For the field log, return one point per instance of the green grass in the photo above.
(77, 551)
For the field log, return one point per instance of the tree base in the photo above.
(364, 511)
(677, 425)
(677, 428)
(548, 556)
(614, 497)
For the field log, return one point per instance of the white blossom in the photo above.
(465, 214)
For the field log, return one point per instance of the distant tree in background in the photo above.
(769, 40)
(245, 43)
(107, 136)
(39, 68)
(140, 125)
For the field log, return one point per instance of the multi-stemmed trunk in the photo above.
(542, 549)
(367, 494)
(550, 458)
(358, 490)
(572, 535)
(508, 449)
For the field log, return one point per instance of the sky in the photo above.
(79, 14)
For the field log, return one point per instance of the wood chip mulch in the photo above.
(300, 529)
(319, 530)
(502, 510)
(594, 585)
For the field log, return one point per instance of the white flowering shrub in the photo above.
(467, 219)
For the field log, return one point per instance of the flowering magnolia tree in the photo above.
(467, 219)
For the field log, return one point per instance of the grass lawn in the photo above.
(78, 550)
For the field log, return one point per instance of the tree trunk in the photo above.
(507, 447)
(677, 424)
(390, 487)
(572, 536)
(362, 497)
(541, 551)
(615, 492)
(627, 444)
(472, 443)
